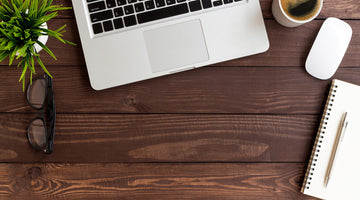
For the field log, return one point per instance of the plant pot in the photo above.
(43, 39)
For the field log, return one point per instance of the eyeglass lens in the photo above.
(37, 92)
(37, 134)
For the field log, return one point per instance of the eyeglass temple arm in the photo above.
(52, 114)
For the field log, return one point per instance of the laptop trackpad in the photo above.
(175, 46)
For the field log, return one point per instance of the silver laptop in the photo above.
(125, 41)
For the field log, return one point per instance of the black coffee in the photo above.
(300, 9)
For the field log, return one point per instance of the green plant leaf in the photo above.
(23, 84)
(71, 43)
(17, 11)
(3, 55)
(20, 63)
(8, 35)
(12, 56)
(24, 68)
(42, 65)
(22, 51)
(7, 7)
(31, 78)
(44, 19)
(25, 6)
(61, 28)
(20, 27)
(33, 8)
(46, 49)
(49, 2)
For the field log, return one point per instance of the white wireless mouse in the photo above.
(329, 48)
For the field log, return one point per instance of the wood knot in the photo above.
(34, 172)
(130, 101)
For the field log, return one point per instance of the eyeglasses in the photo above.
(40, 96)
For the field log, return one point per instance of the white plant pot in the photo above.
(43, 39)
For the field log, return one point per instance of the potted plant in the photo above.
(24, 32)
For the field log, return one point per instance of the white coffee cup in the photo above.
(284, 19)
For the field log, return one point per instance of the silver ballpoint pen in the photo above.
(336, 148)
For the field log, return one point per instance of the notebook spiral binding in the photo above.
(321, 134)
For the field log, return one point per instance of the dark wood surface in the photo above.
(242, 129)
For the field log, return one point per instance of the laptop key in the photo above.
(217, 3)
(139, 7)
(118, 23)
(179, 1)
(129, 9)
(90, 1)
(96, 6)
(170, 2)
(110, 3)
(97, 28)
(195, 5)
(132, 1)
(130, 20)
(228, 1)
(160, 3)
(206, 3)
(100, 16)
(118, 12)
(108, 26)
(149, 5)
(162, 13)
(121, 2)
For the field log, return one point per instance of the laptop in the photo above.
(125, 41)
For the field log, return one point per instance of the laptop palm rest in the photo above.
(176, 46)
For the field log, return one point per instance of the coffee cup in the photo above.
(292, 13)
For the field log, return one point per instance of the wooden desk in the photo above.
(242, 129)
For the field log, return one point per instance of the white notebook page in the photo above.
(345, 180)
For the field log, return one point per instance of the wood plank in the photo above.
(288, 46)
(164, 138)
(275, 90)
(347, 9)
(151, 181)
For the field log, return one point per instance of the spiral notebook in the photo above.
(345, 180)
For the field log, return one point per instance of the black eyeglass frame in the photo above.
(48, 111)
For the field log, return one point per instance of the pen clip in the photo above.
(344, 124)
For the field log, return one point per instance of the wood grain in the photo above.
(346, 9)
(151, 181)
(275, 90)
(288, 46)
(241, 129)
(164, 138)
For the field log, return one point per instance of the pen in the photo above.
(336, 148)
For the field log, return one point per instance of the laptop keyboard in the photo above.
(110, 15)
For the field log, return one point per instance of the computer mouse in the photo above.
(328, 49)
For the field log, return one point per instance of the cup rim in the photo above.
(301, 21)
